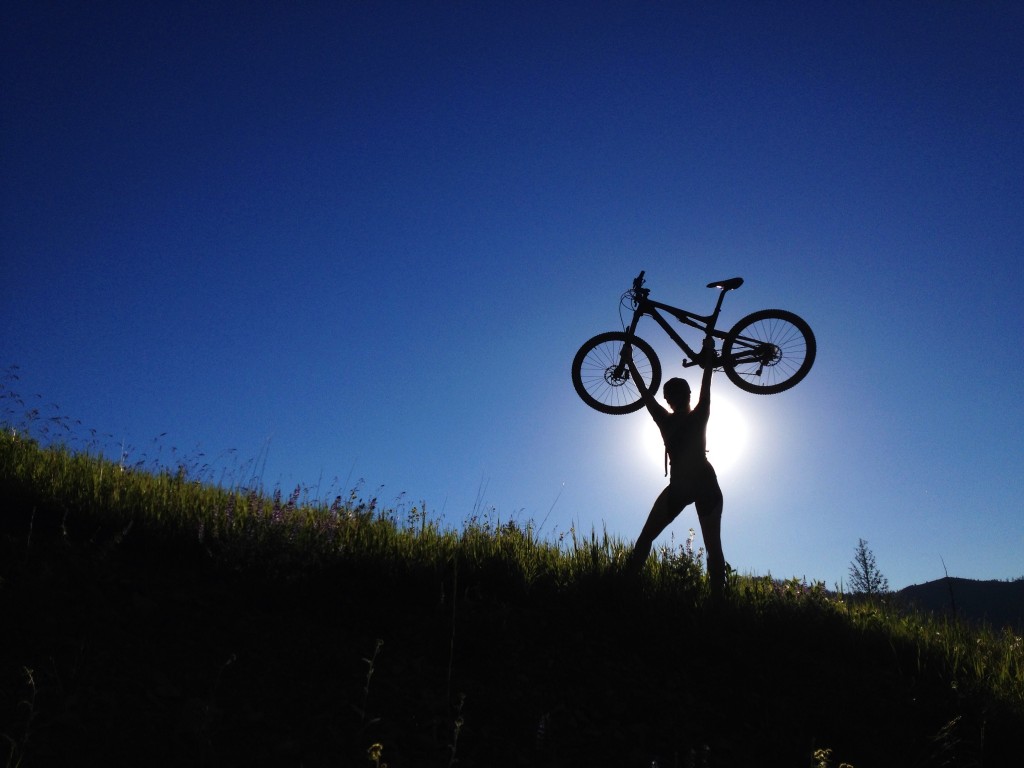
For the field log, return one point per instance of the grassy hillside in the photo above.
(152, 619)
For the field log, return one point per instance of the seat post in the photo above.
(718, 306)
(723, 286)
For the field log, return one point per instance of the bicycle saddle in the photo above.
(727, 285)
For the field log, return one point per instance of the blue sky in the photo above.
(362, 242)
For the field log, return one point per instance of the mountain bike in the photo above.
(766, 352)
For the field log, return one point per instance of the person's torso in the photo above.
(685, 436)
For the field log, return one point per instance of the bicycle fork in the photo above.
(620, 373)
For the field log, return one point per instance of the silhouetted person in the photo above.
(693, 479)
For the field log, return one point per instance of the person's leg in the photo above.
(667, 506)
(709, 512)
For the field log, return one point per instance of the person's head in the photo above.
(677, 394)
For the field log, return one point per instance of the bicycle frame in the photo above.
(647, 306)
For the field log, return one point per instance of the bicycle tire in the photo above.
(768, 351)
(593, 373)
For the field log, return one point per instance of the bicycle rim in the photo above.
(768, 351)
(599, 379)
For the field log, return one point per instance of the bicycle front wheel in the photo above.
(604, 383)
(768, 351)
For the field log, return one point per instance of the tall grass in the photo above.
(64, 489)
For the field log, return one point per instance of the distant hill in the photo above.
(996, 603)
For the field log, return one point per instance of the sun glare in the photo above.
(727, 436)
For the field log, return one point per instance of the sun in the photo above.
(728, 435)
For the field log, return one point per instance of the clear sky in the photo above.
(362, 242)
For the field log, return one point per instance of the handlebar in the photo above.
(638, 291)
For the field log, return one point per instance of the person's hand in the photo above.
(632, 368)
(634, 374)
(707, 353)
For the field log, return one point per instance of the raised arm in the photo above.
(655, 408)
(707, 362)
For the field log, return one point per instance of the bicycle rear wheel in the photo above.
(603, 383)
(768, 351)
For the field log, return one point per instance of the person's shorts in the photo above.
(695, 487)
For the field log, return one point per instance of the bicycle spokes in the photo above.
(769, 351)
(602, 376)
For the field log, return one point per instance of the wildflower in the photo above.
(293, 500)
(277, 514)
(374, 752)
